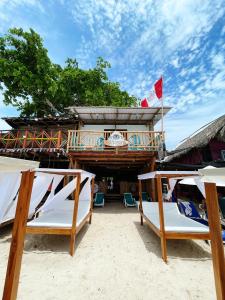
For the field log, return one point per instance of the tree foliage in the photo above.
(38, 87)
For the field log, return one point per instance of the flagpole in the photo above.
(162, 119)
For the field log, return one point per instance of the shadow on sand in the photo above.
(6, 233)
(176, 249)
(44, 243)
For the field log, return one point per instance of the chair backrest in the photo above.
(99, 198)
(188, 209)
(134, 141)
(222, 205)
(128, 197)
(100, 143)
(145, 196)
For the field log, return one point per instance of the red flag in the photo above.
(159, 88)
(144, 103)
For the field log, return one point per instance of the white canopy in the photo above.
(216, 175)
(178, 173)
(15, 164)
(57, 171)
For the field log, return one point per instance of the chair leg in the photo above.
(90, 218)
(164, 249)
(72, 243)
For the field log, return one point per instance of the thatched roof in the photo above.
(215, 129)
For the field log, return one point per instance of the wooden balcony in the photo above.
(97, 141)
(36, 140)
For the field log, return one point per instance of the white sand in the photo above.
(115, 258)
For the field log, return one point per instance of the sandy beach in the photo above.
(115, 258)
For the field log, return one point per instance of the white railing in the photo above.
(89, 140)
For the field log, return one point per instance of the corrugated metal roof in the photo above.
(118, 115)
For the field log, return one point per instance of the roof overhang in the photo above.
(118, 115)
(17, 122)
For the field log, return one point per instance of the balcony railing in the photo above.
(88, 140)
(37, 139)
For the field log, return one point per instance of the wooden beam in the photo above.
(140, 199)
(75, 211)
(92, 199)
(18, 236)
(161, 218)
(216, 239)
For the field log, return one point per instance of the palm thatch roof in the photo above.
(215, 129)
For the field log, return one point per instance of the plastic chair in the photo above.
(99, 199)
(129, 200)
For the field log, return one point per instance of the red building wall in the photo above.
(215, 148)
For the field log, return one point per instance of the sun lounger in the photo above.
(58, 215)
(174, 221)
(128, 200)
(99, 199)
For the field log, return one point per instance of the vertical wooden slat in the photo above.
(161, 218)
(140, 199)
(18, 236)
(216, 239)
(75, 211)
(92, 199)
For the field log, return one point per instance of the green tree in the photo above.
(38, 87)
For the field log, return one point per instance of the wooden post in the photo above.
(75, 211)
(92, 199)
(161, 218)
(152, 169)
(25, 139)
(140, 199)
(216, 239)
(59, 140)
(18, 236)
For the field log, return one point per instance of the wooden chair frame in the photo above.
(73, 230)
(20, 229)
(162, 233)
(214, 229)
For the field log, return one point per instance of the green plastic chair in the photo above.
(99, 199)
(100, 144)
(134, 141)
(129, 200)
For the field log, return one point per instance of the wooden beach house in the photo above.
(116, 144)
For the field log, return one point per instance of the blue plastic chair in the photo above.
(129, 200)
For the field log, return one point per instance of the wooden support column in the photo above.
(216, 239)
(161, 218)
(153, 187)
(18, 236)
(140, 199)
(92, 199)
(75, 211)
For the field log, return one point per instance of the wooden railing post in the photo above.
(59, 141)
(25, 139)
(18, 236)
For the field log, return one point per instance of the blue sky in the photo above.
(184, 40)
